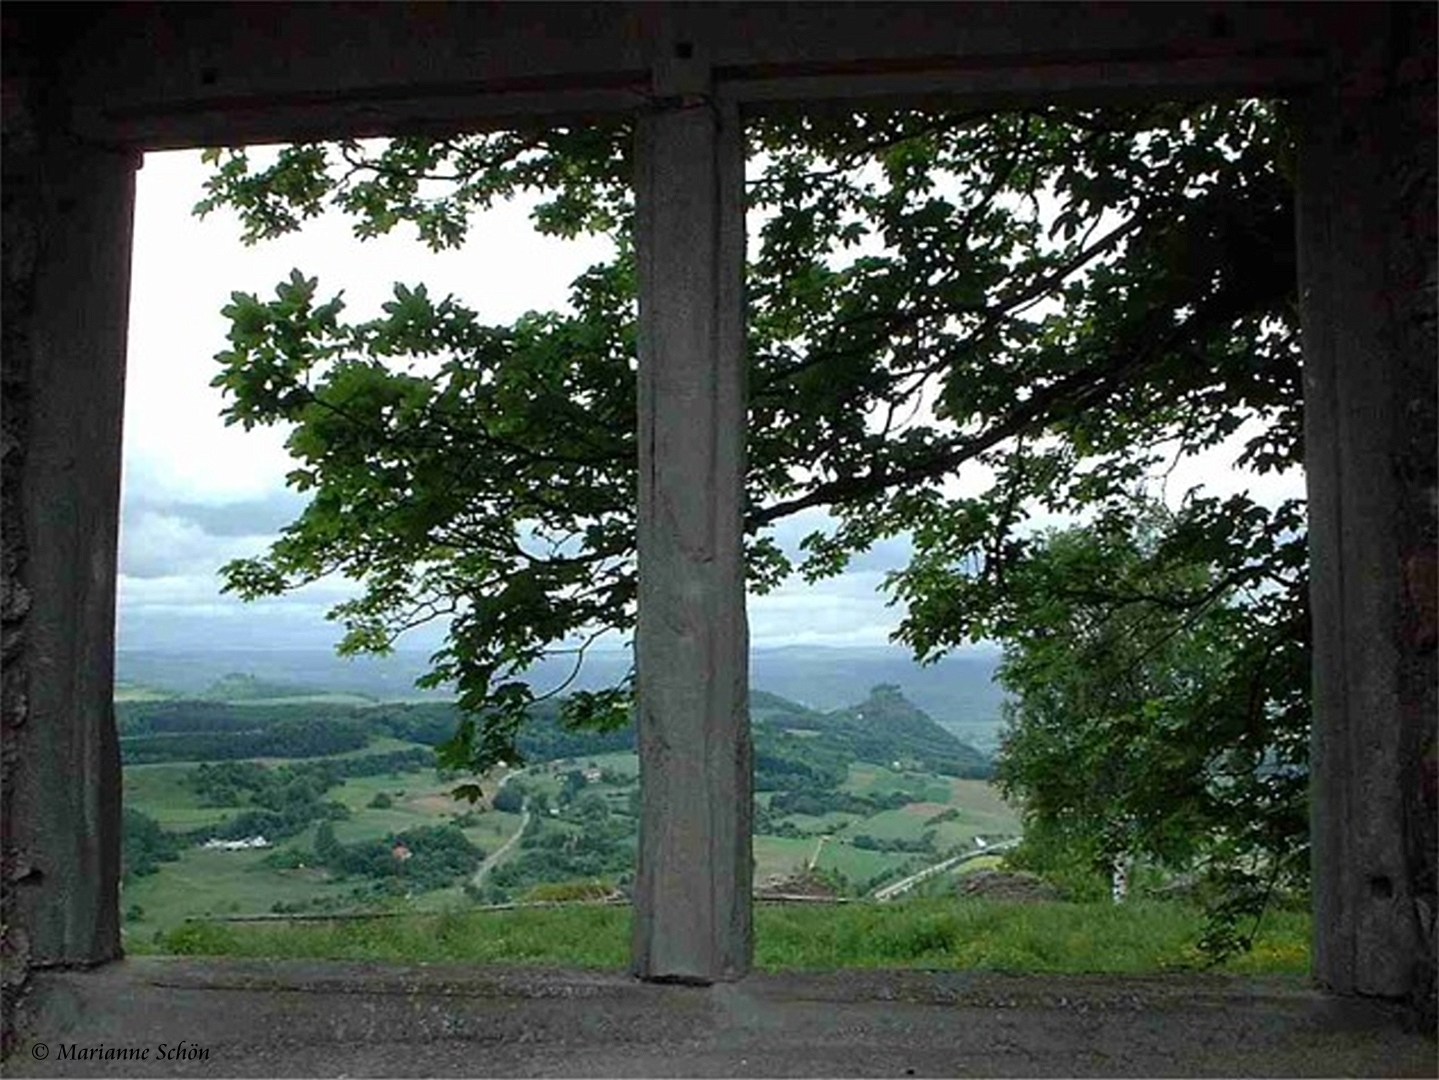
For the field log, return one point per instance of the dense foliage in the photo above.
(144, 845)
(1157, 696)
(959, 323)
(273, 802)
(416, 860)
(600, 846)
(299, 737)
(171, 716)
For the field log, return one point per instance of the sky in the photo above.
(197, 493)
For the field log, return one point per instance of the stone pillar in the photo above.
(692, 918)
(67, 279)
(1366, 202)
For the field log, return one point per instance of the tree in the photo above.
(328, 849)
(1057, 300)
(145, 845)
(1159, 712)
(509, 798)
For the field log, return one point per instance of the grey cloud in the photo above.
(161, 538)
(888, 554)
(163, 545)
(250, 517)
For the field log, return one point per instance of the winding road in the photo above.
(503, 850)
(818, 847)
(889, 892)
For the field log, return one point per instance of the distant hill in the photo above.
(241, 687)
(192, 673)
(957, 692)
(884, 729)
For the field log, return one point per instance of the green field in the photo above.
(209, 882)
(859, 865)
(938, 933)
(238, 883)
(379, 745)
(626, 763)
(319, 697)
(781, 856)
(822, 824)
(418, 798)
(161, 792)
(138, 692)
(869, 779)
(216, 883)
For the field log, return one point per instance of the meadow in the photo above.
(883, 821)
(221, 884)
(933, 933)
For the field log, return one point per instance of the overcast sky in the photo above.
(197, 493)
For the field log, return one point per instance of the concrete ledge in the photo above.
(306, 1018)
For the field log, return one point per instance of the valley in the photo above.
(356, 819)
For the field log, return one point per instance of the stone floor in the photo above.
(303, 1018)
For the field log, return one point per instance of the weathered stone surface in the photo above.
(692, 885)
(66, 311)
(296, 1018)
(1367, 241)
(19, 213)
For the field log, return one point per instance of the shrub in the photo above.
(558, 892)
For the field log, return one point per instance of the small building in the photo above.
(248, 844)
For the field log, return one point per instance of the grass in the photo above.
(982, 797)
(972, 866)
(596, 937)
(494, 828)
(139, 692)
(219, 883)
(318, 697)
(380, 744)
(900, 824)
(995, 936)
(858, 864)
(781, 855)
(621, 761)
(161, 791)
(869, 779)
(938, 933)
(821, 824)
(417, 798)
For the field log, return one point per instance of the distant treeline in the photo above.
(299, 737)
(796, 749)
(156, 731)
